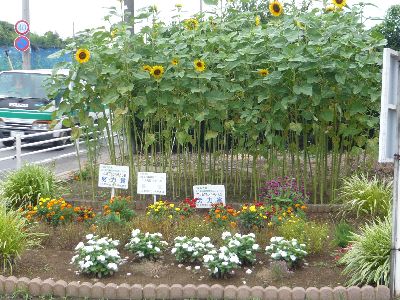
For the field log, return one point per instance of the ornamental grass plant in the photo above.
(28, 184)
(15, 236)
(368, 260)
(367, 197)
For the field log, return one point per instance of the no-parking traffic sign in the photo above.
(22, 43)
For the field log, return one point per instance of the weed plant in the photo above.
(342, 234)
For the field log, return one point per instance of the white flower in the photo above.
(87, 264)
(283, 253)
(292, 257)
(112, 253)
(188, 268)
(115, 243)
(224, 263)
(87, 257)
(197, 267)
(226, 234)
(89, 236)
(196, 239)
(215, 270)
(101, 258)
(112, 266)
(135, 240)
(79, 246)
(249, 271)
(185, 246)
(223, 249)
(275, 255)
(252, 235)
(248, 252)
(195, 253)
(74, 258)
(150, 246)
(209, 245)
(190, 249)
(140, 253)
(255, 247)
(88, 249)
(234, 259)
(207, 258)
(157, 249)
(205, 239)
(173, 250)
(135, 232)
(268, 248)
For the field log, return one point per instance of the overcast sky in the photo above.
(59, 15)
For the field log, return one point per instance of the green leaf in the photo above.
(340, 78)
(211, 2)
(296, 127)
(303, 89)
(210, 135)
(327, 115)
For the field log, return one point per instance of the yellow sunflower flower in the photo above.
(199, 65)
(330, 8)
(263, 72)
(191, 24)
(82, 56)
(257, 21)
(147, 68)
(157, 72)
(276, 8)
(339, 3)
(175, 61)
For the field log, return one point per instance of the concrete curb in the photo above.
(37, 287)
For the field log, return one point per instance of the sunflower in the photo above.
(175, 61)
(276, 8)
(191, 24)
(82, 56)
(157, 72)
(199, 65)
(147, 68)
(257, 21)
(263, 72)
(339, 3)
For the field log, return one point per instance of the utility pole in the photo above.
(129, 13)
(201, 6)
(26, 55)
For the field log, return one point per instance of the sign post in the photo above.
(389, 151)
(113, 177)
(150, 183)
(207, 195)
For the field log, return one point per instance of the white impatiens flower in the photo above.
(283, 253)
(140, 254)
(101, 258)
(248, 252)
(226, 234)
(292, 257)
(255, 247)
(79, 246)
(248, 271)
(89, 236)
(197, 267)
(135, 232)
(173, 250)
(88, 249)
(112, 266)
(205, 239)
(157, 249)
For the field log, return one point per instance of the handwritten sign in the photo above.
(208, 195)
(150, 183)
(113, 176)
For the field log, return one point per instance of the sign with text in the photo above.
(113, 176)
(150, 183)
(21, 27)
(208, 195)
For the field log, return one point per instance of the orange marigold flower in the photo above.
(62, 218)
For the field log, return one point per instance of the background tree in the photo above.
(390, 27)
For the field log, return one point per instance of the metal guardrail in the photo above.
(48, 141)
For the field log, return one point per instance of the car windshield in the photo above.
(22, 85)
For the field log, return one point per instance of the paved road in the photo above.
(60, 166)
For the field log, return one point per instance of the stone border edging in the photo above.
(37, 287)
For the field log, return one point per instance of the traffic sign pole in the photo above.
(26, 55)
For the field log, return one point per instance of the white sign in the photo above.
(150, 183)
(209, 194)
(389, 100)
(21, 27)
(112, 176)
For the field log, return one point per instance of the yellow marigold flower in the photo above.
(280, 218)
(177, 209)
(276, 8)
(157, 72)
(170, 216)
(171, 205)
(191, 24)
(257, 21)
(263, 72)
(82, 56)
(199, 65)
(148, 69)
(175, 61)
(339, 3)
(270, 224)
(253, 208)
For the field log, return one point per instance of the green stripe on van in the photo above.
(25, 114)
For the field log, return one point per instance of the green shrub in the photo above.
(28, 184)
(368, 260)
(313, 234)
(15, 237)
(342, 235)
(362, 196)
